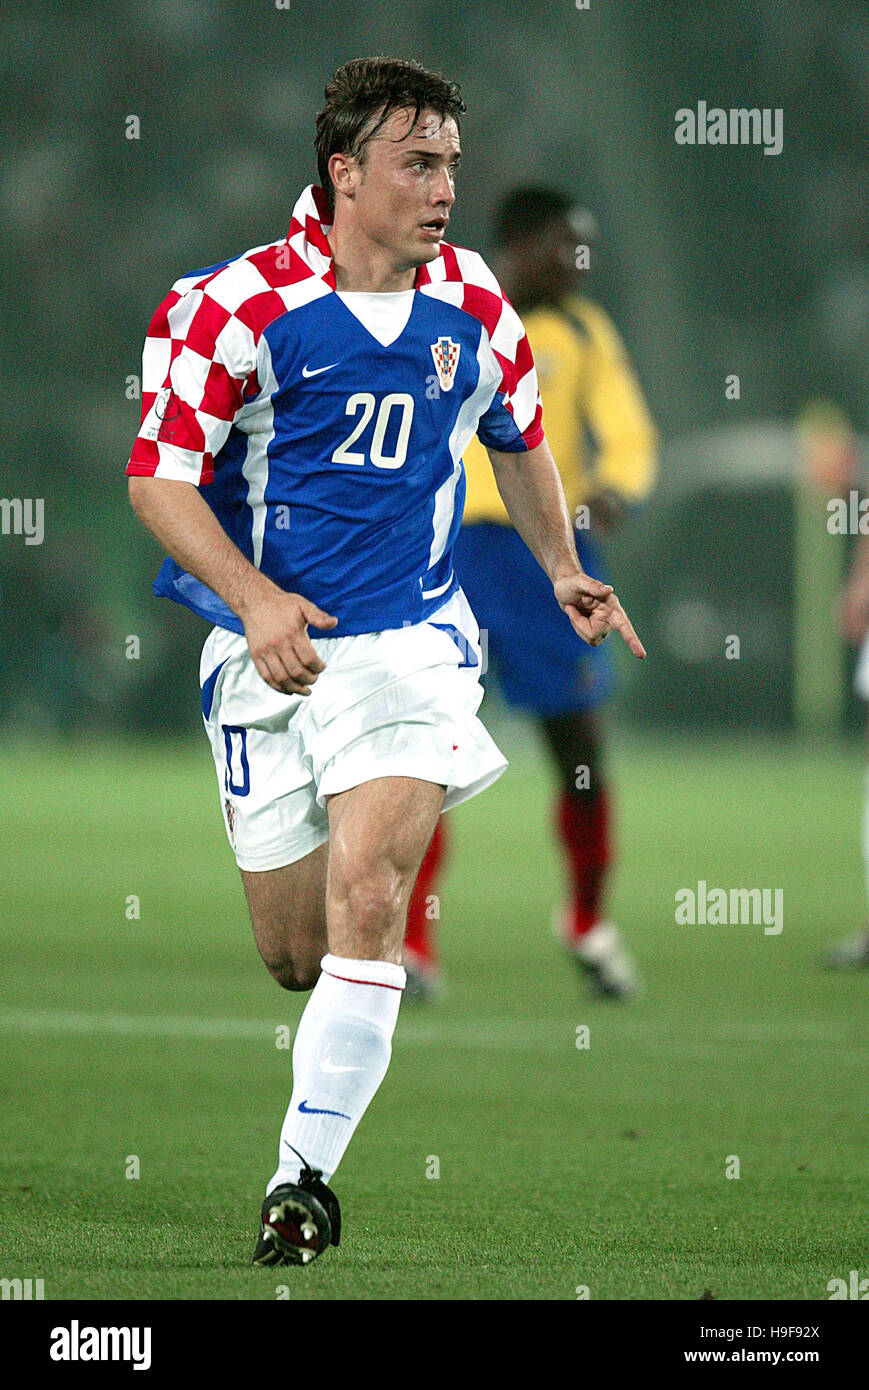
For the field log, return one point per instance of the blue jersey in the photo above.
(326, 429)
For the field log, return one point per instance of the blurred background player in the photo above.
(853, 953)
(606, 445)
(829, 455)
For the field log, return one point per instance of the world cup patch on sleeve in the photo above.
(165, 409)
(446, 358)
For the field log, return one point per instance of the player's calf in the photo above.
(288, 915)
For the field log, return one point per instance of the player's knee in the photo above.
(575, 742)
(372, 902)
(295, 970)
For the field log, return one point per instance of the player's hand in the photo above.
(276, 628)
(594, 610)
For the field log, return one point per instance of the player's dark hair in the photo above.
(525, 211)
(368, 87)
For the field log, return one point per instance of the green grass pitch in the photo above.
(560, 1167)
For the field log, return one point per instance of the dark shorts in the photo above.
(541, 664)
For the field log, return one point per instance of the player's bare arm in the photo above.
(275, 622)
(530, 484)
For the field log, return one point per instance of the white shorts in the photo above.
(399, 703)
(861, 672)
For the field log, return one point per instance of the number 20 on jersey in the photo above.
(364, 404)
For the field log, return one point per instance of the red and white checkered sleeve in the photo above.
(199, 360)
(519, 376)
(518, 394)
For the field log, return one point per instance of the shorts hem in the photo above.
(456, 795)
(423, 770)
(280, 858)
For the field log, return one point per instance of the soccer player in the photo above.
(605, 445)
(306, 406)
(853, 952)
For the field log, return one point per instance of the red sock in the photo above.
(583, 824)
(418, 936)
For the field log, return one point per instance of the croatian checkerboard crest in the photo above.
(446, 358)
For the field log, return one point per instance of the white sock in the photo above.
(340, 1055)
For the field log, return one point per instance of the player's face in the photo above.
(406, 185)
(552, 260)
(555, 255)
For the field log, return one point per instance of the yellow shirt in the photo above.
(594, 414)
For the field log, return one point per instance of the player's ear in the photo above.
(344, 173)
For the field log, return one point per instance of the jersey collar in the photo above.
(309, 225)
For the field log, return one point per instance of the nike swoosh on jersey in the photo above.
(307, 1109)
(315, 371)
